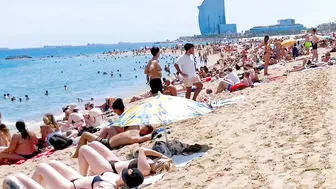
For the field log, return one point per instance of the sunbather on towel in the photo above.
(306, 63)
(121, 139)
(20, 181)
(246, 82)
(100, 159)
(56, 175)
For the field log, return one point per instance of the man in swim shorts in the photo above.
(125, 138)
(154, 72)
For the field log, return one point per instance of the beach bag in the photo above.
(60, 142)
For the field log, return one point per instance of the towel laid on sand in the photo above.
(179, 161)
(310, 69)
(38, 156)
(223, 102)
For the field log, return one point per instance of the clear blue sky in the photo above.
(33, 23)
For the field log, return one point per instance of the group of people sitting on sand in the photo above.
(99, 166)
(25, 144)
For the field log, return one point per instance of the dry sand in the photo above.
(280, 136)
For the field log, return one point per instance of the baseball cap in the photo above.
(132, 177)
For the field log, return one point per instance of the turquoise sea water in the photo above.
(75, 67)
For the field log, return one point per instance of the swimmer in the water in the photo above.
(98, 72)
(5, 96)
(92, 99)
(119, 75)
(61, 71)
(79, 99)
(27, 97)
(20, 99)
(46, 93)
(65, 87)
(136, 76)
(13, 99)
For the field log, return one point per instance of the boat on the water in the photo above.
(17, 57)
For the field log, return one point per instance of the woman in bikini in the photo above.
(5, 137)
(100, 159)
(267, 53)
(314, 46)
(56, 175)
(22, 146)
(49, 128)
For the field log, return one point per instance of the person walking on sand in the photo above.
(185, 66)
(154, 72)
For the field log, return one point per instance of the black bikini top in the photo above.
(98, 179)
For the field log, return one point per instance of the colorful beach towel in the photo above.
(38, 156)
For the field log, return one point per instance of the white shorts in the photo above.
(189, 82)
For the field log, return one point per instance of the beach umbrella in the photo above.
(161, 109)
(288, 42)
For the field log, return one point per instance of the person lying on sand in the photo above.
(56, 175)
(141, 97)
(108, 131)
(125, 138)
(20, 181)
(246, 82)
(22, 146)
(100, 159)
(306, 63)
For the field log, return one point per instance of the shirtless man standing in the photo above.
(154, 72)
(125, 138)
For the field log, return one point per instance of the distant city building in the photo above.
(212, 20)
(284, 27)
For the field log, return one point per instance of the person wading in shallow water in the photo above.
(154, 72)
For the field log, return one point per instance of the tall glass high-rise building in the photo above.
(212, 18)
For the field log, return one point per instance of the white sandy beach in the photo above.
(281, 135)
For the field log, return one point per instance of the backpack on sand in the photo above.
(60, 142)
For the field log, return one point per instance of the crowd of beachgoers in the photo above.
(236, 67)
